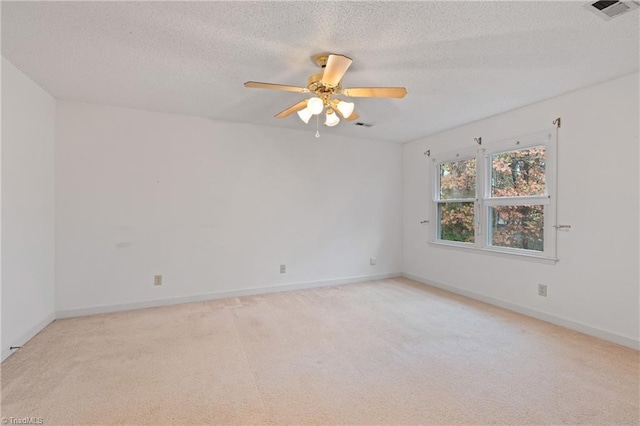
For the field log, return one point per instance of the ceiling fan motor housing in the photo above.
(321, 59)
(315, 85)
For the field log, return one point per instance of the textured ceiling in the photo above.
(460, 61)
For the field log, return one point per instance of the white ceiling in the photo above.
(460, 61)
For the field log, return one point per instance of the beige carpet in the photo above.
(385, 352)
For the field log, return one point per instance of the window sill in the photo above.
(495, 252)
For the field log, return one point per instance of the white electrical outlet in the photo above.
(542, 290)
(283, 269)
(372, 261)
(157, 280)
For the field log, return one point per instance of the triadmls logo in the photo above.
(22, 421)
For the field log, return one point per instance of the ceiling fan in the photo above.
(325, 86)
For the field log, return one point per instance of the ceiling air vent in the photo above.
(360, 123)
(611, 9)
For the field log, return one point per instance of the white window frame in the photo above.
(484, 201)
(452, 157)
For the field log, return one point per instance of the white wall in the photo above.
(595, 285)
(214, 207)
(28, 135)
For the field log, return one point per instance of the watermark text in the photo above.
(22, 421)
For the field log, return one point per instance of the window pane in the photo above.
(517, 227)
(456, 221)
(518, 173)
(458, 179)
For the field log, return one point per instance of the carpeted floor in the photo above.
(385, 352)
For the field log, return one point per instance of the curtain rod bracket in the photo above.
(558, 122)
(478, 140)
(428, 153)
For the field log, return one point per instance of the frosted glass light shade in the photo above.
(345, 108)
(315, 105)
(332, 119)
(305, 115)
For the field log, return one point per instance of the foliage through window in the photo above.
(518, 173)
(499, 199)
(457, 199)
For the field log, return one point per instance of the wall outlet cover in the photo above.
(542, 290)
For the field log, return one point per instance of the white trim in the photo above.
(520, 142)
(455, 200)
(464, 153)
(103, 309)
(543, 200)
(544, 316)
(6, 352)
(527, 255)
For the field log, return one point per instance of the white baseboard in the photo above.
(6, 352)
(103, 309)
(544, 316)
(553, 319)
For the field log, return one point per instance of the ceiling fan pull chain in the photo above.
(317, 126)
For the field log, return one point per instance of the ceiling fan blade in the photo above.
(259, 85)
(375, 92)
(336, 66)
(287, 112)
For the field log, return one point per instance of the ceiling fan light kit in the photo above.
(325, 86)
(332, 118)
(305, 114)
(315, 105)
(345, 108)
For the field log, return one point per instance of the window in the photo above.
(516, 198)
(456, 200)
(499, 198)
